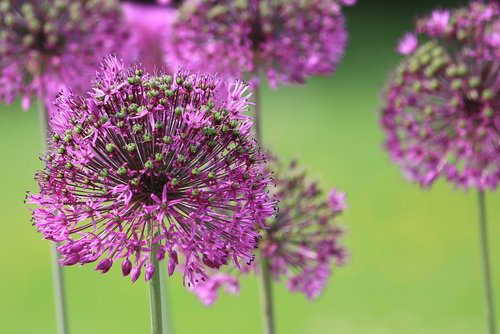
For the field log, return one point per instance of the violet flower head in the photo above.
(441, 113)
(149, 161)
(49, 44)
(287, 41)
(302, 242)
(149, 23)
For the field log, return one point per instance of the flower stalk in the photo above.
(57, 271)
(485, 256)
(266, 296)
(266, 293)
(156, 295)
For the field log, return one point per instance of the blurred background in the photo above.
(415, 256)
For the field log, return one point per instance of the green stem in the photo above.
(155, 296)
(266, 293)
(266, 296)
(488, 286)
(164, 299)
(57, 270)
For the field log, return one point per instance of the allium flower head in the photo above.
(149, 24)
(150, 161)
(441, 113)
(302, 241)
(286, 40)
(47, 43)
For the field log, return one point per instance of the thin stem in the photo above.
(488, 287)
(266, 296)
(164, 299)
(57, 270)
(266, 291)
(155, 296)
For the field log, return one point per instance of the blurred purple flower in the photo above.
(302, 242)
(407, 44)
(286, 40)
(208, 291)
(441, 113)
(153, 160)
(436, 24)
(47, 44)
(149, 24)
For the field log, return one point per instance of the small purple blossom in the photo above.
(436, 24)
(302, 241)
(287, 41)
(407, 44)
(149, 23)
(441, 106)
(47, 44)
(207, 292)
(153, 161)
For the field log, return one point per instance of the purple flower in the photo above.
(149, 24)
(302, 242)
(207, 292)
(441, 107)
(48, 44)
(407, 44)
(153, 160)
(287, 41)
(436, 24)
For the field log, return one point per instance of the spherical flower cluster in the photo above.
(149, 24)
(442, 105)
(48, 44)
(153, 162)
(302, 241)
(286, 40)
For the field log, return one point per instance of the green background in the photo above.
(415, 258)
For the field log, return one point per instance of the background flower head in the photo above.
(48, 44)
(148, 161)
(441, 113)
(149, 24)
(286, 40)
(302, 242)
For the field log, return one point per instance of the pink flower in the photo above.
(287, 41)
(441, 114)
(149, 25)
(437, 23)
(336, 200)
(302, 242)
(127, 171)
(47, 45)
(407, 44)
(207, 292)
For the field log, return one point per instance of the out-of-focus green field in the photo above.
(415, 259)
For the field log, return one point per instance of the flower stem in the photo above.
(57, 270)
(164, 299)
(155, 296)
(266, 291)
(483, 232)
(266, 296)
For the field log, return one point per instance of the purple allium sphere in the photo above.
(442, 105)
(302, 242)
(148, 161)
(286, 40)
(149, 23)
(48, 44)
